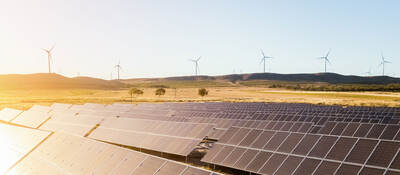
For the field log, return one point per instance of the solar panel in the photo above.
(273, 163)
(31, 118)
(390, 132)
(289, 165)
(348, 169)
(338, 129)
(226, 150)
(371, 171)
(238, 137)
(8, 114)
(171, 168)
(66, 154)
(258, 161)
(306, 144)
(307, 166)
(233, 156)
(60, 106)
(276, 140)
(376, 131)
(40, 108)
(323, 146)
(17, 142)
(342, 147)
(383, 153)
(326, 167)
(363, 130)
(351, 129)
(245, 159)
(361, 151)
(290, 143)
(149, 166)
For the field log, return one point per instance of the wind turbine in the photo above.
(196, 64)
(264, 58)
(383, 64)
(369, 72)
(325, 58)
(49, 56)
(118, 66)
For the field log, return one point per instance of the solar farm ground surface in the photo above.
(24, 99)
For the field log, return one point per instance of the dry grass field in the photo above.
(24, 99)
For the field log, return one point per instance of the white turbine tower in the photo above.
(196, 65)
(264, 58)
(49, 56)
(325, 58)
(118, 66)
(383, 62)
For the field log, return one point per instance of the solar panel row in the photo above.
(66, 154)
(367, 130)
(277, 152)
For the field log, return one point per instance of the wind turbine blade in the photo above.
(328, 61)
(387, 61)
(263, 59)
(198, 58)
(328, 53)
(45, 50)
(262, 52)
(52, 48)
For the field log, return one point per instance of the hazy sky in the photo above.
(156, 38)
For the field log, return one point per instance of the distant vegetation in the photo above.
(135, 92)
(339, 87)
(160, 91)
(203, 92)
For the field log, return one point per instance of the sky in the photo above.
(157, 38)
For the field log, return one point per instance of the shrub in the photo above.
(160, 91)
(203, 92)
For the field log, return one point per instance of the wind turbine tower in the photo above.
(118, 66)
(383, 62)
(49, 56)
(264, 58)
(196, 65)
(325, 58)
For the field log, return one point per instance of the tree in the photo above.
(203, 92)
(160, 91)
(135, 91)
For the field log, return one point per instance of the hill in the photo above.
(54, 81)
(331, 78)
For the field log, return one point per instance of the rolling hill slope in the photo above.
(331, 78)
(54, 81)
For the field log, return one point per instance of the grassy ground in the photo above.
(25, 99)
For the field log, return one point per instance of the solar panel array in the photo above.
(15, 143)
(63, 154)
(281, 152)
(261, 138)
